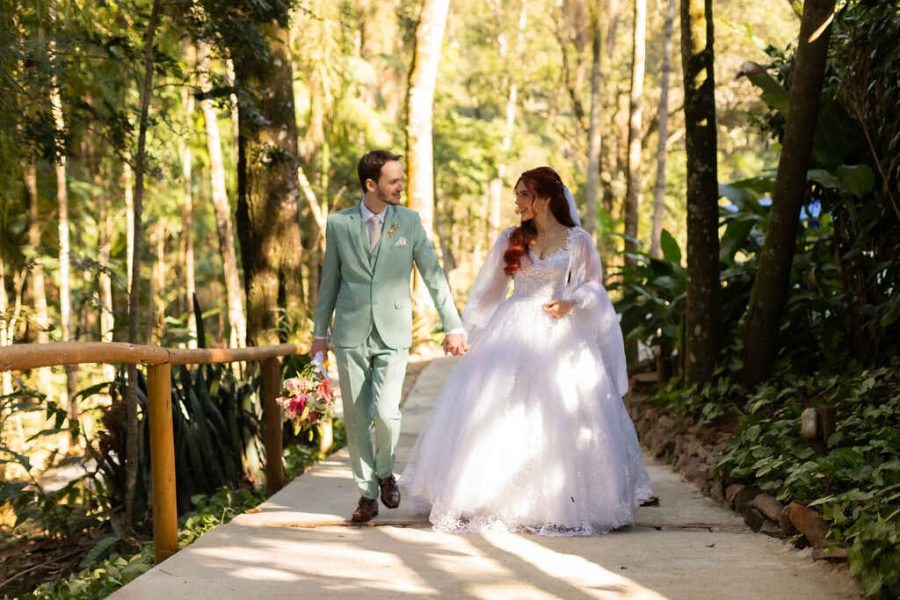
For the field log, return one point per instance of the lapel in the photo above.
(359, 238)
(389, 220)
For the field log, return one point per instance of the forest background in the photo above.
(231, 129)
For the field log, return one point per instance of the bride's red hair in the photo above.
(542, 182)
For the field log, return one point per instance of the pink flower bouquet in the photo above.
(308, 398)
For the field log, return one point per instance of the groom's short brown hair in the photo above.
(370, 164)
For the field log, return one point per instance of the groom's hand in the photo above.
(319, 345)
(455, 344)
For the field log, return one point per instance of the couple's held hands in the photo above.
(455, 344)
(319, 345)
(558, 308)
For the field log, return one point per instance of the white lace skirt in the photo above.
(529, 434)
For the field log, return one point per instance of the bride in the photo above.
(530, 432)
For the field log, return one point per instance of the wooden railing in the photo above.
(159, 363)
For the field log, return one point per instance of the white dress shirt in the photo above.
(368, 215)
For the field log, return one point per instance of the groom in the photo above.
(369, 254)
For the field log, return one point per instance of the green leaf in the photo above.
(824, 178)
(671, 251)
(98, 551)
(893, 311)
(859, 180)
(771, 92)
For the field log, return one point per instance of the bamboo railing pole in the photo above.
(272, 426)
(162, 461)
(326, 435)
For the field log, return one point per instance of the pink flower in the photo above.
(293, 384)
(324, 391)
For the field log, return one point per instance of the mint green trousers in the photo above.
(371, 379)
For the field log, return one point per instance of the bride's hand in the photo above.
(558, 308)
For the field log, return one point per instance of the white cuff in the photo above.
(457, 331)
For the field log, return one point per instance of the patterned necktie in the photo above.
(374, 232)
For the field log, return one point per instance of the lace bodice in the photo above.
(543, 279)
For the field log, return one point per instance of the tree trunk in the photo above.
(659, 190)
(609, 23)
(495, 215)
(771, 287)
(134, 297)
(105, 241)
(269, 196)
(633, 169)
(701, 313)
(187, 231)
(237, 322)
(594, 134)
(128, 192)
(65, 278)
(319, 213)
(419, 151)
(38, 291)
(156, 307)
(6, 378)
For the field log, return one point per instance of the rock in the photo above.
(645, 378)
(716, 492)
(833, 555)
(745, 497)
(768, 506)
(697, 471)
(772, 529)
(784, 521)
(809, 523)
(731, 491)
(663, 446)
(753, 518)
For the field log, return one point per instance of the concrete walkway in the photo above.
(295, 546)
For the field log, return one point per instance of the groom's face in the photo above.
(390, 183)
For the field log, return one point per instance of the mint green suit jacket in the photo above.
(364, 289)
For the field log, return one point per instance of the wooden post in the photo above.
(326, 436)
(272, 426)
(162, 461)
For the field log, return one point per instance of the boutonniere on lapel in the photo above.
(393, 229)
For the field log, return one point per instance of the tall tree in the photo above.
(62, 198)
(633, 170)
(187, 212)
(38, 291)
(610, 24)
(268, 188)
(594, 132)
(770, 289)
(701, 313)
(134, 303)
(659, 190)
(237, 323)
(512, 89)
(419, 150)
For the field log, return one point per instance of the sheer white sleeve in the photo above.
(490, 286)
(593, 308)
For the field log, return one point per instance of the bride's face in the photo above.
(525, 202)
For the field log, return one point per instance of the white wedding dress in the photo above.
(530, 432)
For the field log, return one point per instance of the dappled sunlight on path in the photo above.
(298, 545)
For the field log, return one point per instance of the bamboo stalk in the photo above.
(21, 357)
(272, 426)
(162, 461)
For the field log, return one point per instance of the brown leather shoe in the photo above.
(390, 493)
(366, 511)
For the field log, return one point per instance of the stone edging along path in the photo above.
(693, 453)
